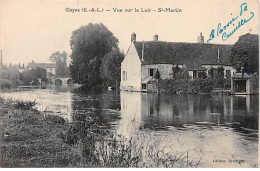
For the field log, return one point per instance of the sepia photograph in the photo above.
(129, 84)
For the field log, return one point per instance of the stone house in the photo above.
(143, 58)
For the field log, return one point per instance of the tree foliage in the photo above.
(202, 75)
(61, 69)
(89, 45)
(245, 53)
(110, 68)
(31, 76)
(179, 73)
(11, 75)
(217, 75)
(157, 75)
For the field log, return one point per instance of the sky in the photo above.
(34, 29)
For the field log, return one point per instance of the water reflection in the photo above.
(208, 126)
(158, 111)
(51, 99)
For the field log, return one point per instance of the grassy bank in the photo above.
(30, 138)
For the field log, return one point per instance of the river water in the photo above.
(216, 130)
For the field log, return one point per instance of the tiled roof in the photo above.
(180, 53)
(41, 65)
(193, 65)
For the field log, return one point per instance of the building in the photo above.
(50, 67)
(244, 83)
(143, 58)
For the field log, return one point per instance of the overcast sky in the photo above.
(34, 29)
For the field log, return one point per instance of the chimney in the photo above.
(133, 37)
(200, 38)
(155, 38)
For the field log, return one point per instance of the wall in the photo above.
(190, 74)
(254, 84)
(51, 70)
(164, 69)
(132, 66)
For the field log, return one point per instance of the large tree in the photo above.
(89, 45)
(110, 68)
(245, 53)
(61, 69)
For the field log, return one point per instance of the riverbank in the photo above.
(30, 138)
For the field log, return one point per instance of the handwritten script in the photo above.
(234, 24)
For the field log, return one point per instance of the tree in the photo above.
(61, 69)
(178, 73)
(12, 75)
(217, 75)
(31, 76)
(89, 45)
(157, 75)
(245, 53)
(202, 75)
(111, 68)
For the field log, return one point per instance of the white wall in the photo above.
(132, 66)
(190, 74)
(164, 69)
(51, 70)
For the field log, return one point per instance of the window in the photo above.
(143, 86)
(194, 74)
(124, 76)
(228, 74)
(151, 71)
(151, 110)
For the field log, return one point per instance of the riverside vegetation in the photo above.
(30, 138)
(182, 83)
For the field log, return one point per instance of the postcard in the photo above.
(129, 84)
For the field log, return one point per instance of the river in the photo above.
(217, 130)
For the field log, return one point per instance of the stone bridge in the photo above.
(62, 81)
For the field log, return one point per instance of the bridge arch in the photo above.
(69, 81)
(58, 82)
(62, 81)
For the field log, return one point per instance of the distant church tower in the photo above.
(200, 38)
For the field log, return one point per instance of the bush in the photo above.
(25, 105)
(196, 86)
(199, 85)
(217, 75)
(174, 85)
(5, 83)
